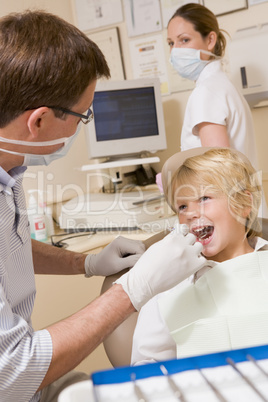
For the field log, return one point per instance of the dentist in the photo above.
(48, 73)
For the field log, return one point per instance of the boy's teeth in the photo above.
(203, 232)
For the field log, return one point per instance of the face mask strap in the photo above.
(35, 144)
(11, 152)
(41, 159)
(209, 54)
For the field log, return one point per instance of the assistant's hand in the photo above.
(121, 253)
(162, 266)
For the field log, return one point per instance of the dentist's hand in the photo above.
(162, 266)
(121, 253)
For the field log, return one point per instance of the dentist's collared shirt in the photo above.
(25, 354)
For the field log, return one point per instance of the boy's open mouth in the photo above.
(204, 232)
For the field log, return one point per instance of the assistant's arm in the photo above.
(213, 135)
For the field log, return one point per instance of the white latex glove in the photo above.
(164, 265)
(121, 253)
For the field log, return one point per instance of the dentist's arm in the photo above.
(164, 265)
(75, 337)
(120, 254)
(161, 267)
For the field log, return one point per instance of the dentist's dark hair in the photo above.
(44, 60)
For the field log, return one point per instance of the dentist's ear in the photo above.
(36, 120)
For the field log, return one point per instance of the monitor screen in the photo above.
(128, 119)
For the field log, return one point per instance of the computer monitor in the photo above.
(128, 119)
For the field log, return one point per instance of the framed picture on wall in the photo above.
(219, 7)
(168, 8)
(98, 13)
(108, 41)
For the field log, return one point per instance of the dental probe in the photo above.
(183, 229)
(138, 392)
(175, 388)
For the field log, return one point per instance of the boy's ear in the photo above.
(37, 119)
(247, 209)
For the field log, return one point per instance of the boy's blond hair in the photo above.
(226, 171)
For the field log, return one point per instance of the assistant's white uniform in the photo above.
(216, 100)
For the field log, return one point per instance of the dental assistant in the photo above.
(216, 115)
(48, 74)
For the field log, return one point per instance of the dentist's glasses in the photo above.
(85, 118)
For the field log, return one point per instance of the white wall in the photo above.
(174, 104)
(66, 178)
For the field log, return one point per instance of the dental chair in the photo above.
(119, 344)
(264, 225)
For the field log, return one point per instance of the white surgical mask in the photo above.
(187, 61)
(35, 159)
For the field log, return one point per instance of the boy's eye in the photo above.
(204, 198)
(181, 208)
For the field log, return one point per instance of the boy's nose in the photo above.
(193, 211)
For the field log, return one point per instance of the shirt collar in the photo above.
(8, 179)
(210, 68)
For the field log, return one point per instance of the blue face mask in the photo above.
(187, 62)
(35, 159)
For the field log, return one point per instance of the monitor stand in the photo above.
(120, 163)
(116, 167)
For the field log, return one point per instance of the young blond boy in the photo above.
(216, 193)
